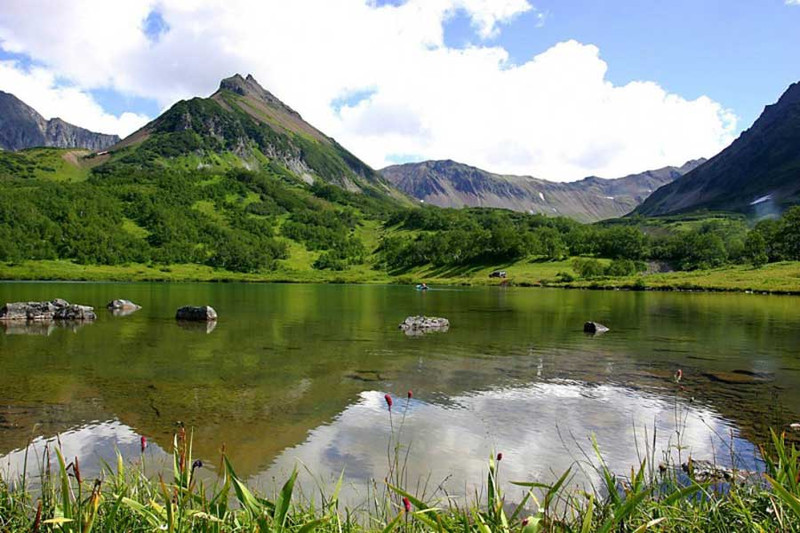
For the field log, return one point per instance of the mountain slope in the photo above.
(451, 184)
(250, 127)
(22, 127)
(759, 171)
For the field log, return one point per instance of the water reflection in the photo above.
(94, 444)
(39, 327)
(541, 430)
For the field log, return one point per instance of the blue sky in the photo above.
(741, 53)
(558, 89)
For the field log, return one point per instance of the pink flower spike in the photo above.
(388, 401)
(407, 504)
(143, 442)
(410, 394)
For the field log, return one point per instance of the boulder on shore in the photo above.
(416, 325)
(594, 328)
(57, 309)
(192, 313)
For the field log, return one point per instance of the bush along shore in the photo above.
(653, 497)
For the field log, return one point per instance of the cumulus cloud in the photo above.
(555, 115)
(39, 88)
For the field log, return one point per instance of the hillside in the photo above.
(244, 125)
(22, 127)
(452, 184)
(758, 173)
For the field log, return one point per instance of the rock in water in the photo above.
(122, 307)
(191, 313)
(57, 309)
(416, 325)
(594, 328)
(75, 312)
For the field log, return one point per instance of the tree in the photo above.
(755, 249)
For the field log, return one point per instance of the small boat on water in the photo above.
(422, 287)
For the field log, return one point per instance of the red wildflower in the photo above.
(410, 394)
(143, 443)
(500, 456)
(388, 401)
(407, 504)
(678, 375)
(525, 522)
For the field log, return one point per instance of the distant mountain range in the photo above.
(452, 184)
(22, 127)
(242, 124)
(759, 173)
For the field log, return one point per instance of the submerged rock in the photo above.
(123, 305)
(706, 471)
(740, 377)
(192, 313)
(417, 325)
(594, 328)
(57, 309)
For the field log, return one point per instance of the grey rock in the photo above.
(122, 307)
(191, 313)
(594, 328)
(75, 312)
(417, 325)
(57, 309)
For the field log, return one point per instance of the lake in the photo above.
(296, 375)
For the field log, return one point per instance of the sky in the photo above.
(557, 89)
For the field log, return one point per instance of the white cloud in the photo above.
(38, 88)
(793, 2)
(555, 116)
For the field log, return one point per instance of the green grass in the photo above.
(56, 164)
(773, 278)
(778, 278)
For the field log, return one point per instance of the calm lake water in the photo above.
(296, 374)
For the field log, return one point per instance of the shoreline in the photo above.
(774, 279)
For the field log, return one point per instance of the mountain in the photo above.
(247, 125)
(452, 184)
(758, 173)
(22, 127)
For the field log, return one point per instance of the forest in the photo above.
(133, 212)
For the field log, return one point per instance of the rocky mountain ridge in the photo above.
(758, 174)
(23, 127)
(451, 184)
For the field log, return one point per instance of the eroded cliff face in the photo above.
(22, 127)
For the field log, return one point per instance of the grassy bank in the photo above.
(781, 277)
(653, 497)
